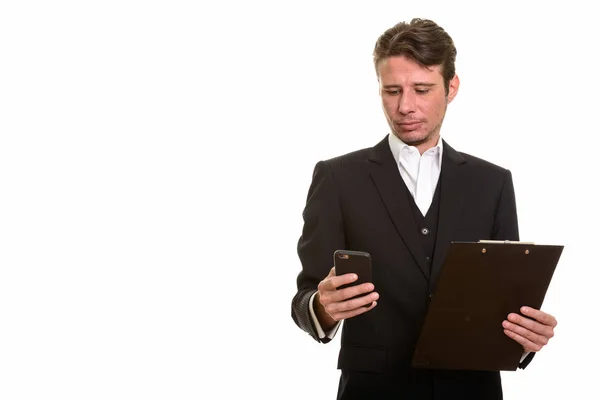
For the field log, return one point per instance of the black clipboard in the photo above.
(479, 285)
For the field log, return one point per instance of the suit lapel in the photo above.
(389, 183)
(451, 203)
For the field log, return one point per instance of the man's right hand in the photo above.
(332, 305)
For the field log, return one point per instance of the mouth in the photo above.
(409, 125)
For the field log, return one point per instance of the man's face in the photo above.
(414, 100)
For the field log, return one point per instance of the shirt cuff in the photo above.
(525, 354)
(315, 320)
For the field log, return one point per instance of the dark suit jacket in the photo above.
(360, 202)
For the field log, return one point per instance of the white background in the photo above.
(155, 159)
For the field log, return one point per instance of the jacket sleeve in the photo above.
(322, 234)
(506, 227)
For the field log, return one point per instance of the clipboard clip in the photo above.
(484, 250)
(506, 242)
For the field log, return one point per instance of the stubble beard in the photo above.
(417, 141)
(433, 133)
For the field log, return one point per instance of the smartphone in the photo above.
(357, 262)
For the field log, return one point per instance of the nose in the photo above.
(406, 103)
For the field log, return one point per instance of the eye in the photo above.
(422, 91)
(393, 92)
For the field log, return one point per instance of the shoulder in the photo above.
(358, 158)
(349, 159)
(478, 167)
(346, 167)
(481, 163)
(469, 162)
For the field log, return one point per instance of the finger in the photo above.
(341, 280)
(352, 291)
(350, 305)
(362, 301)
(324, 284)
(336, 297)
(533, 337)
(527, 344)
(531, 325)
(539, 316)
(333, 282)
(353, 313)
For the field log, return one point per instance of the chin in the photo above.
(412, 138)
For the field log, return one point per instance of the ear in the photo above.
(453, 88)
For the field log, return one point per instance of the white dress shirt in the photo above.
(419, 172)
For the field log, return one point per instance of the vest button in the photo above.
(424, 231)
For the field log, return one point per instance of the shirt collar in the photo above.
(397, 145)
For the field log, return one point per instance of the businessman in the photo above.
(403, 201)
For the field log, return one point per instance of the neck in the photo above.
(427, 144)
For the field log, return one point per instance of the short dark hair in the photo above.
(421, 40)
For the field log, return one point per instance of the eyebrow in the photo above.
(426, 84)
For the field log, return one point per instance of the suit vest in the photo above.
(428, 224)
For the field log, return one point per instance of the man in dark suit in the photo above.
(403, 201)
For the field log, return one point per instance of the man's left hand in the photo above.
(532, 331)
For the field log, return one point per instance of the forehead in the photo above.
(402, 70)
